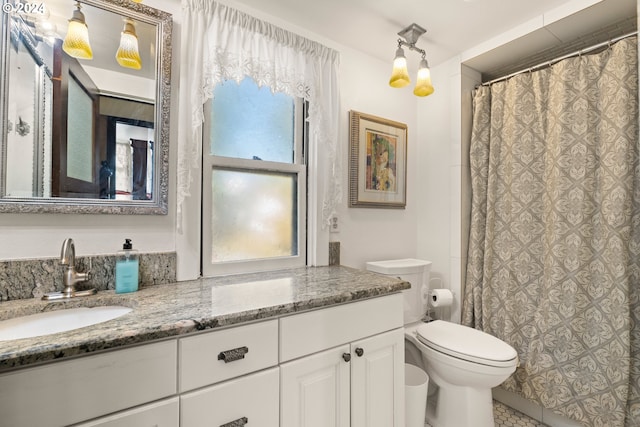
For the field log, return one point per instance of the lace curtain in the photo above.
(221, 43)
(554, 247)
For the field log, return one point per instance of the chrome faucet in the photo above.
(70, 276)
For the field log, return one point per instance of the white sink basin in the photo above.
(53, 322)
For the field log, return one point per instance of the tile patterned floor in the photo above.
(505, 416)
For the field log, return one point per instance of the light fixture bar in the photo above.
(412, 47)
(412, 33)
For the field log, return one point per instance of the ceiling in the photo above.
(453, 26)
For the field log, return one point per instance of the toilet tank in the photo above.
(414, 271)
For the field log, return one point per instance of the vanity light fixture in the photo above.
(400, 75)
(127, 55)
(76, 42)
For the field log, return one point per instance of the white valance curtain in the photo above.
(221, 43)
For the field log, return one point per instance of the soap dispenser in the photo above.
(127, 269)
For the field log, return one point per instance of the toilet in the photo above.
(463, 363)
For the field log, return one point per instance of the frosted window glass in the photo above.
(254, 215)
(79, 133)
(249, 122)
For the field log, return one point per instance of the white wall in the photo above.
(113, 82)
(377, 234)
(437, 154)
(20, 149)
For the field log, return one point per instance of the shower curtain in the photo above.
(554, 248)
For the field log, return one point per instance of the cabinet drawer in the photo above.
(254, 399)
(310, 332)
(220, 355)
(159, 414)
(72, 391)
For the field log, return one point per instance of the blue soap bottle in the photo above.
(127, 269)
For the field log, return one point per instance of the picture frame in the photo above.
(377, 162)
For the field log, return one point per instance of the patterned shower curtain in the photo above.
(554, 249)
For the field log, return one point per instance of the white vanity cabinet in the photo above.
(75, 390)
(344, 366)
(338, 366)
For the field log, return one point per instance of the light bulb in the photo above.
(127, 54)
(423, 85)
(76, 42)
(399, 75)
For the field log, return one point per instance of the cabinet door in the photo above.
(314, 390)
(159, 414)
(377, 381)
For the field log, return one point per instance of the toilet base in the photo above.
(463, 397)
(461, 407)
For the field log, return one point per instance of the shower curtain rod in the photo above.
(553, 61)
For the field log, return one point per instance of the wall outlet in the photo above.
(334, 227)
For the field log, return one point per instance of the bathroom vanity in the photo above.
(319, 346)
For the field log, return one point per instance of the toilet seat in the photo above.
(466, 343)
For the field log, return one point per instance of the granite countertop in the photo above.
(164, 311)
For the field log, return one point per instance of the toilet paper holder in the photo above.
(441, 297)
(429, 298)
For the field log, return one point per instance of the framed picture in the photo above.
(377, 162)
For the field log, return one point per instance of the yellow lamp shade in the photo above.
(127, 54)
(399, 74)
(423, 85)
(76, 42)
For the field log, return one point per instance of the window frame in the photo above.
(298, 167)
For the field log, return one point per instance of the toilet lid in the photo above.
(466, 343)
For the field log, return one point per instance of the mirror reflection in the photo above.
(84, 104)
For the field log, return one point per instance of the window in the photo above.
(254, 180)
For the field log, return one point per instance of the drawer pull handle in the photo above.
(359, 351)
(233, 355)
(237, 423)
(346, 357)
